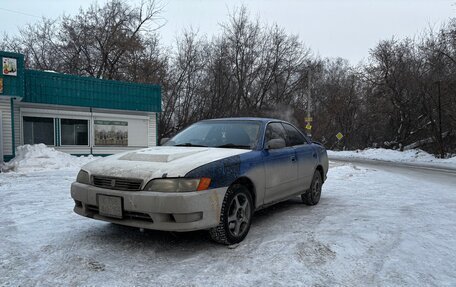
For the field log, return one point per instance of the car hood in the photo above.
(154, 162)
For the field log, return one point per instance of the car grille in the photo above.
(127, 184)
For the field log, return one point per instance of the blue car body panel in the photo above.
(260, 166)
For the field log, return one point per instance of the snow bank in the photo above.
(39, 157)
(409, 156)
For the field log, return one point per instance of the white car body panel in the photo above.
(155, 162)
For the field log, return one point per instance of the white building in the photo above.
(78, 115)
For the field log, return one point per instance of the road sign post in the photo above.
(309, 118)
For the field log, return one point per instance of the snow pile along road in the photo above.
(39, 157)
(414, 156)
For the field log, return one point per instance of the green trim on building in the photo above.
(69, 90)
(156, 129)
(13, 133)
(7, 158)
(94, 154)
(57, 131)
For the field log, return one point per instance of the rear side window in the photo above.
(275, 131)
(294, 137)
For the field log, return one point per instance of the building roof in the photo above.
(61, 89)
(44, 87)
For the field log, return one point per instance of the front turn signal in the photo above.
(204, 183)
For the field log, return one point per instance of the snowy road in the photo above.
(421, 167)
(374, 226)
(426, 173)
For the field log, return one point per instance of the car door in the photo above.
(306, 156)
(281, 169)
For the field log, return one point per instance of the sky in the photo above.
(331, 28)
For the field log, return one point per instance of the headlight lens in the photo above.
(83, 177)
(178, 184)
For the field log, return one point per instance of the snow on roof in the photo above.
(39, 157)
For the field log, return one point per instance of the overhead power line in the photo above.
(19, 12)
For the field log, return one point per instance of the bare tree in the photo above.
(402, 97)
(97, 42)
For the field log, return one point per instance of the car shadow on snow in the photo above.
(293, 206)
(153, 236)
(277, 209)
(108, 233)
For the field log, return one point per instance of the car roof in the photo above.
(263, 120)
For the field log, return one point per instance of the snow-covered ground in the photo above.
(373, 227)
(413, 156)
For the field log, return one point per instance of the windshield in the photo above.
(224, 134)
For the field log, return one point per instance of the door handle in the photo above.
(293, 158)
(314, 155)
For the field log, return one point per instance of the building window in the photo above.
(74, 132)
(38, 130)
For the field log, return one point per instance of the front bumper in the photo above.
(184, 211)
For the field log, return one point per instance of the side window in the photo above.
(274, 131)
(294, 136)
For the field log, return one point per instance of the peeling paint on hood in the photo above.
(160, 154)
(154, 162)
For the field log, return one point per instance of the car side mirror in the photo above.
(275, 144)
(163, 141)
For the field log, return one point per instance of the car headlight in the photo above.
(83, 177)
(178, 184)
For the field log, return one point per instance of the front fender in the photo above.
(225, 171)
(222, 172)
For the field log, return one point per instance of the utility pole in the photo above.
(442, 152)
(309, 98)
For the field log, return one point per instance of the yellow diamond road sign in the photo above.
(308, 127)
(339, 136)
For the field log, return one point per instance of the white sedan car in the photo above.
(213, 175)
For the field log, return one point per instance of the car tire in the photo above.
(235, 217)
(312, 196)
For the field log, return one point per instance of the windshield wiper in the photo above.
(190, 144)
(230, 145)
